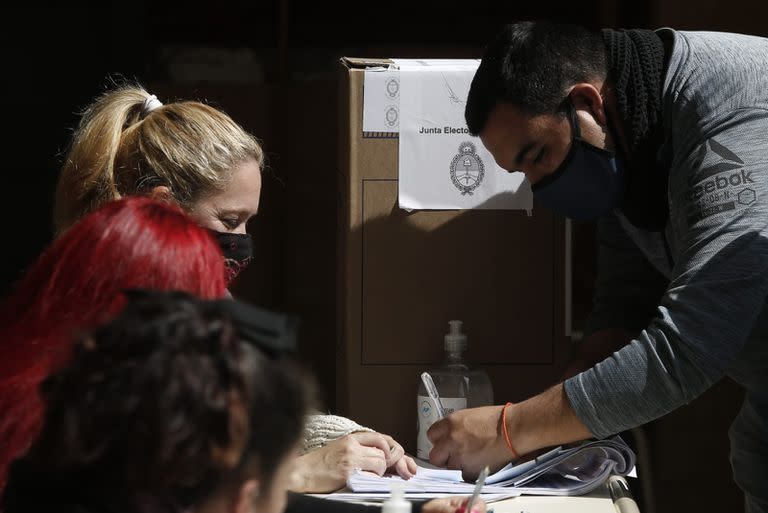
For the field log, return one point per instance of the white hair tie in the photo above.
(150, 104)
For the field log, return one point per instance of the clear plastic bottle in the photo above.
(458, 386)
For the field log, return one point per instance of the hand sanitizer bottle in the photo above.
(458, 386)
(396, 502)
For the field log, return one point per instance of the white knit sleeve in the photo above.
(322, 429)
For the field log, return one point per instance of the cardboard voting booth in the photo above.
(499, 264)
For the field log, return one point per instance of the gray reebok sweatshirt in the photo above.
(711, 319)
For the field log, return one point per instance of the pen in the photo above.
(478, 487)
(432, 391)
(622, 498)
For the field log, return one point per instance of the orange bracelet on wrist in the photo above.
(506, 433)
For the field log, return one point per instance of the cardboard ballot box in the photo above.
(402, 276)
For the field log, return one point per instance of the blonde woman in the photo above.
(129, 143)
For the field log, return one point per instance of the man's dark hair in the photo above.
(530, 65)
(165, 401)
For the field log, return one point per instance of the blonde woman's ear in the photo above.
(161, 193)
(245, 502)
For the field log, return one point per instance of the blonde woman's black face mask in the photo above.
(238, 252)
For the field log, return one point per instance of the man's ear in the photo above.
(161, 193)
(246, 497)
(586, 96)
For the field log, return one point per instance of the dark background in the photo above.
(273, 66)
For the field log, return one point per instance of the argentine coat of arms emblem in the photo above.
(467, 169)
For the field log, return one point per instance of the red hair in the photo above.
(78, 283)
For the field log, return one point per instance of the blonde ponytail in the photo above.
(88, 175)
(128, 142)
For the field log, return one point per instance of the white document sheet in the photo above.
(346, 496)
(381, 100)
(441, 166)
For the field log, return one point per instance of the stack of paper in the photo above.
(572, 470)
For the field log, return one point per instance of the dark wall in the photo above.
(56, 59)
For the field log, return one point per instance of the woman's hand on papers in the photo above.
(469, 440)
(327, 469)
(397, 461)
(452, 505)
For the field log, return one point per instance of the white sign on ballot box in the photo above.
(441, 166)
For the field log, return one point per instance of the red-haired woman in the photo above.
(78, 282)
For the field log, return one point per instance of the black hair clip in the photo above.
(272, 332)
